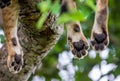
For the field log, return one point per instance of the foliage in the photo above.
(86, 11)
(85, 14)
(54, 7)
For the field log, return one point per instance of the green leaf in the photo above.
(44, 6)
(64, 18)
(2, 39)
(77, 16)
(41, 20)
(70, 17)
(91, 4)
(55, 8)
(86, 11)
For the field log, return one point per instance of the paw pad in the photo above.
(17, 59)
(80, 49)
(15, 63)
(4, 3)
(100, 41)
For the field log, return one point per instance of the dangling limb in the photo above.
(99, 35)
(77, 41)
(15, 53)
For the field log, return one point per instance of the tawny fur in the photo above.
(10, 19)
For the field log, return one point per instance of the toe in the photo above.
(93, 43)
(18, 59)
(101, 47)
(80, 49)
(79, 55)
(74, 51)
(83, 52)
(96, 47)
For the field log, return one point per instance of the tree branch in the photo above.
(35, 43)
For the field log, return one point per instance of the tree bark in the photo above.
(35, 43)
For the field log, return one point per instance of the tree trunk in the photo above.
(35, 43)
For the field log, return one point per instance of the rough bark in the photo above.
(35, 43)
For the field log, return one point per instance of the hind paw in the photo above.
(99, 41)
(79, 49)
(77, 41)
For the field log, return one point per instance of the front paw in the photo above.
(79, 49)
(99, 41)
(15, 63)
(77, 41)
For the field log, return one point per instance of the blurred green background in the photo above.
(103, 66)
(59, 64)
